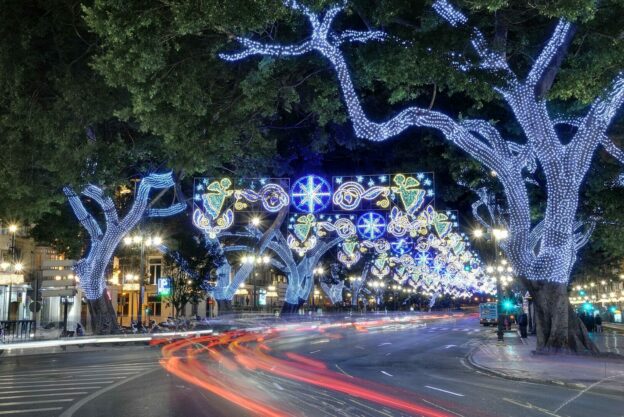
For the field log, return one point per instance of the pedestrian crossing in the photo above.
(467, 330)
(48, 392)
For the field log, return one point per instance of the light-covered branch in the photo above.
(108, 207)
(84, 217)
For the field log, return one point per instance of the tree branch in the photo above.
(108, 207)
(83, 216)
(547, 64)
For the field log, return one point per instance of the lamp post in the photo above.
(317, 271)
(141, 242)
(496, 235)
(255, 260)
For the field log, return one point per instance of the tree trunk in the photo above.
(559, 330)
(225, 306)
(289, 308)
(103, 317)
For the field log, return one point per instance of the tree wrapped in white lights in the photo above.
(91, 268)
(545, 267)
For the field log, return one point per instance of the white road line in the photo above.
(465, 330)
(15, 397)
(315, 351)
(64, 400)
(342, 370)
(107, 369)
(76, 374)
(443, 390)
(389, 353)
(76, 406)
(386, 373)
(385, 343)
(585, 390)
(278, 386)
(47, 389)
(32, 410)
(442, 408)
(449, 346)
(359, 347)
(64, 384)
(531, 407)
(58, 381)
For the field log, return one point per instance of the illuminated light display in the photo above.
(92, 268)
(564, 166)
(402, 246)
(371, 225)
(311, 194)
(215, 202)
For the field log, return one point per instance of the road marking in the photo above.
(359, 347)
(76, 406)
(389, 353)
(64, 400)
(33, 410)
(371, 408)
(47, 389)
(385, 343)
(386, 373)
(60, 381)
(14, 397)
(443, 390)
(315, 351)
(442, 408)
(278, 386)
(531, 407)
(585, 390)
(65, 372)
(341, 370)
(56, 384)
(449, 346)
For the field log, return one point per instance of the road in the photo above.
(372, 368)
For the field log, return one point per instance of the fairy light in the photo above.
(564, 166)
(92, 267)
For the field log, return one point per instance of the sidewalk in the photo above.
(516, 360)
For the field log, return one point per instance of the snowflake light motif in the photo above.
(371, 225)
(311, 194)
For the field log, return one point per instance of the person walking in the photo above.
(591, 323)
(523, 322)
(598, 322)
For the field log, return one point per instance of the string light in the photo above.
(564, 166)
(92, 267)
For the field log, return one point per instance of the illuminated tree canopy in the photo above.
(564, 165)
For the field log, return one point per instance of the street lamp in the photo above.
(316, 271)
(142, 242)
(254, 260)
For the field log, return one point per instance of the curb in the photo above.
(574, 385)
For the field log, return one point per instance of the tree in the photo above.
(542, 253)
(192, 268)
(91, 268)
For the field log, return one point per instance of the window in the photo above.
(155, 270)
(155, 305)
(123, 304)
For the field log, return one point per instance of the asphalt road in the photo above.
(380, 369)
